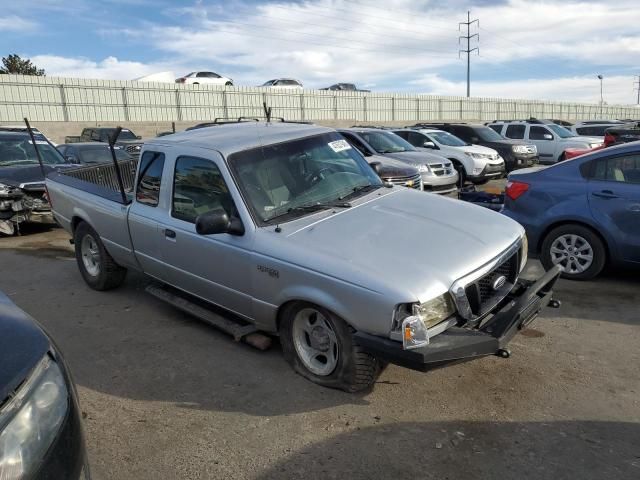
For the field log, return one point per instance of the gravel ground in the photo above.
(168, 397)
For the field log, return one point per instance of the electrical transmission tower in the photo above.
(469, 50)
(637, 82)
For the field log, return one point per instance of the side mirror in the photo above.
(548, 136)
(217, 221)
(376, 166)
(429, 144)
(70, 159)
(475, 139)
(138, 137)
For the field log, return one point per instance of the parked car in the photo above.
(395, 172)
(550, 139)
(344, 87)
(286, 225)
(129, 141)
(205, 78)
(285, 83)
(516, 153)
(23, 129)
(22, 189)
(87, 153)
(438, 173)
(619, 134)
(593, 128)
(475, 163)
(582, 213)
(41, 434)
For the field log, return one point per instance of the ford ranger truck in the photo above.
(287, 227)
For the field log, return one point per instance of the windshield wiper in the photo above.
(311, 207)
(360, 188)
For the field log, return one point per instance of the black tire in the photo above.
(355, 371)
(110, 274)
(594, 241)
(228, 84)
(562, 158)
(462, 173)
(195, 83)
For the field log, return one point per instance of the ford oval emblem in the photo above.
(499, 282)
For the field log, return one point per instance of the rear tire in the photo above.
(577, 249)
(320, 347)
(462, 173)
(228, 84)
(97, 267)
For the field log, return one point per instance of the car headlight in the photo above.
(594, 145)
(424, 169)
(30, 421)
(414, 320)
(474, 155)
(525, 252)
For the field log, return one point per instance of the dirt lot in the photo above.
(168, 397)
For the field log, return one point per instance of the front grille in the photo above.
(412, 181)
(439, 188)
(441, 169)
(482, 294)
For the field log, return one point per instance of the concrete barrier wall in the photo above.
(51, 99)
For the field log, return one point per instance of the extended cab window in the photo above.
(515, 131)
(198, 187)
(149, 178)
(620, 169)
(538, 133)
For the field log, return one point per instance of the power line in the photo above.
(414, 14)
(468, 51)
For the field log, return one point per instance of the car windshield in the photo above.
(445, 138)
(386, 142)
(291, 179)
(268, 83)
(488, 135)
(124, 134)
(18, 150)
(101, 154)
(561, 131)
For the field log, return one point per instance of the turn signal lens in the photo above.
(414, 333)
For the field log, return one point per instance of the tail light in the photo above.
(515, 189)
(609, 139)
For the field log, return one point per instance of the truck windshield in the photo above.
(18, 150)
(386, 142)
(561, 131)
(488, 134)
(124, 134)
(289, 179)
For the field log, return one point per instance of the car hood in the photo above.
(22, 345)
(398, 240)
(477, 149)
(14, 176)
(416, 158)
(390, 167)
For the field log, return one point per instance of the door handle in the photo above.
(169, 233)
(604, 194)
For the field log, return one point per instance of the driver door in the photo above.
(212, 267)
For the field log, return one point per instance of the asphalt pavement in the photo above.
(165, 396)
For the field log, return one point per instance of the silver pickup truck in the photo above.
(289, 229)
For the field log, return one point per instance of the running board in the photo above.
(246, 333)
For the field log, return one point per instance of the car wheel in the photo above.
(97, 267)
(562, 157)
(578, 250)
(195, 83)
(462, 173)
(228, 84)
(320, 347)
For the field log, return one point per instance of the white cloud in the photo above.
(14, 23)
(110, 68)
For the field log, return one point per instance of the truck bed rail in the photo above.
(104, 174)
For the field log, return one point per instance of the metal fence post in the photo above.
(124, 104)
(225, 105)
(393, 109)
(417, 108)
(63, 98)
(178, 106)
(335, 106)
(302, 117)
(440, 109)
(461, 110)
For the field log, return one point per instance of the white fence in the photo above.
(50, 99)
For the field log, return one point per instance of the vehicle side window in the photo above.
(355, 141)
(496, 128)
(62, 149)
(465, 133)
(538, 133)
(403, 134)
(149, 178)
(417, 139)
(198, 187)
(619, 169)
(515, 131)
(201, 74)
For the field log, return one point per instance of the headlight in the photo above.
(435, 311)
(31, 420)
(594, 145)
(424, 169)
(413, 321)
(525, 252)
(475, 155)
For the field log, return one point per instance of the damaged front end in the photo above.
(26, 202)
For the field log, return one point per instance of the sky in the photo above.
(546, 50)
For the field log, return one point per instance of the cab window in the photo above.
(198, 187)
(150, 178)
(515, 131)
(538, 133)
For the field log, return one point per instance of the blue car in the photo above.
(582, 213)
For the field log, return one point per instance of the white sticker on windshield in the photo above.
(339, 145)
(39, 142)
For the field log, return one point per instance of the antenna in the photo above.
(112, 140)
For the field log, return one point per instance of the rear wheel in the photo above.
(576, 249)
(228, 84)
(462, 173)
(320, 347)
(97, 267)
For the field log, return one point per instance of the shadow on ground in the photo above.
(472, 450)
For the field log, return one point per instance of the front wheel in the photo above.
(578, 250)
(97, 267)
(462, 173)
(320, 347)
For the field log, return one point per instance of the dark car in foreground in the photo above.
(516, 153)
(91, 153)
(582, 213)
(41, 434)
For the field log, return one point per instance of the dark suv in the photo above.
(516, 153)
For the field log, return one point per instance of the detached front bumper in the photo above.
(516, 311)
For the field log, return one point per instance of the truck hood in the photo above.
(402, 239)
(416, 158)
(22, 345)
